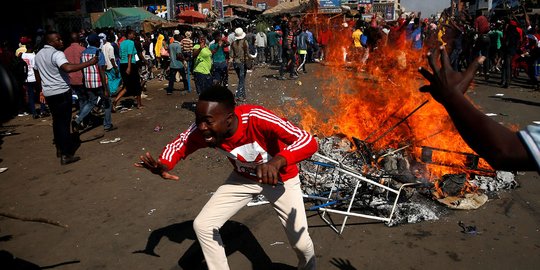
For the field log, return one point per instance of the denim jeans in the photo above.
(240, 69)
(31, 88)
(202, 82)
(93, 95)
(220, 73)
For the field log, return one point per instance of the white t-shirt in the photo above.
(29, 58)
(108, 51)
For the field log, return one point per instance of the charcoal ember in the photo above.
(452, 184)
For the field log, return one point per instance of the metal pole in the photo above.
(401, 121)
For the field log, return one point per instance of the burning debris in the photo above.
(332, 182)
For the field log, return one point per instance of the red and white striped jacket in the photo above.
(261, 135)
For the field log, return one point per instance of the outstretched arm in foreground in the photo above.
(156, 167)
(498, 145)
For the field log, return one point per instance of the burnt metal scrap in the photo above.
(330, 181)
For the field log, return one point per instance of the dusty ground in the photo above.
(112, 209)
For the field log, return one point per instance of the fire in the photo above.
(370, 106)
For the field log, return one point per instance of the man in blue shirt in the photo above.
(177, 63)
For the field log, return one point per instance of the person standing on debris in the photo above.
(502, 148)
(264, 150)
(51, 74)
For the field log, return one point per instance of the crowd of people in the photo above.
(102, 66)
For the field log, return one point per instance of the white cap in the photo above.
(177, 32)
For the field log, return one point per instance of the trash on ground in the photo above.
(104, 141)
(258, 200)
(491, 114)
(472, 230)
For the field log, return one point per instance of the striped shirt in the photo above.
(91, 77)
(260, 136)
(187, 45)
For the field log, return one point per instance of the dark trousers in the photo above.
(220, 73)
(172, 78)
(60, 106)
(202, 82)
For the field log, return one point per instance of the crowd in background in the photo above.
(205, 56)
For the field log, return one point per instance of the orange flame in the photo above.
(367, 105)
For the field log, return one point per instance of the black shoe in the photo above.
(67, 159)
(281, 78)
(76, 128)
(111, 128)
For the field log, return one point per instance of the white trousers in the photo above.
(237, 191)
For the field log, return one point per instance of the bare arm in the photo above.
(500, 146)
(69, 67)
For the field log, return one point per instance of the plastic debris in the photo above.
(158, 128)
(151, 211)
(277, 243)
(468, 229)
(491, 114)
(104, 141)
(258, 200)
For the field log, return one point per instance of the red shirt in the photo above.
(324, 37)
(260, 136)
(73, 54)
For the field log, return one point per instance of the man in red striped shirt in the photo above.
(264, 150)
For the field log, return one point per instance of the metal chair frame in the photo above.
(359, 178)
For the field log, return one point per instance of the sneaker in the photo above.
(143, 95)
(293, 77)
(281, 78)
(111, 128)
(23, 114)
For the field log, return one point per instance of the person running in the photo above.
(264, 150)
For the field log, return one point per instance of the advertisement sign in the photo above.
(389, 12)
(329, 3)
(262, 5)
(218, 6)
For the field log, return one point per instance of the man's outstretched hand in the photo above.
(444, 81)
(156, 167)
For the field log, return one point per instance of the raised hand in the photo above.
(444, 81)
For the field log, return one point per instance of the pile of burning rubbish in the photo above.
(420, 198)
